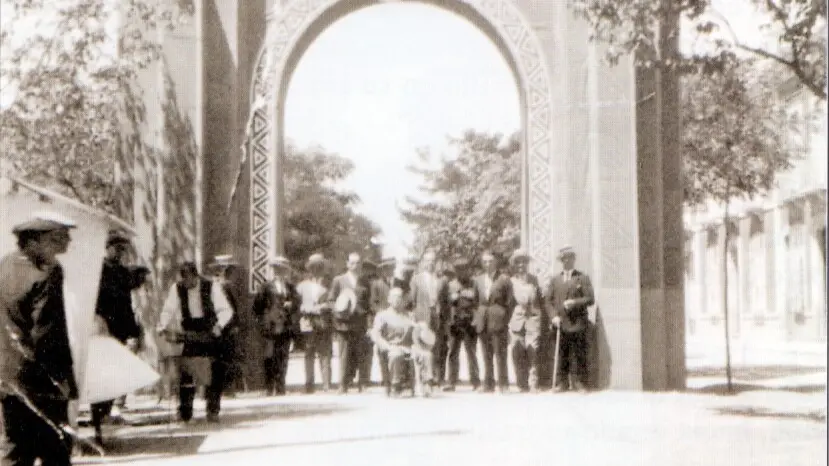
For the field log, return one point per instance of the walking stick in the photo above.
(555, 356)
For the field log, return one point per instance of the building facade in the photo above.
(776, 265)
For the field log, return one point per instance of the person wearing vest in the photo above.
(225, 369)
(195, 313)
(315, 322)
(568, 296)
(495, 292)
(526, 322)
(460, 297)
(37, 380)
(276, 306)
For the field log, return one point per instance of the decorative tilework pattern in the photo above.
(298, 16)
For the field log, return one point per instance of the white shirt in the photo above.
(170, 318)
(487, 284)
(568, 275)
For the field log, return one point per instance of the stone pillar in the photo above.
(778, 240)
(743, 270)
(659, 179)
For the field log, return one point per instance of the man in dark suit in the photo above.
(568, 296)
(424, 291)
(349, 316)
(460, 297)
(494, 311)
(381, 285)
(114, 312)
(277, 307)
(526, 322)
(37, 378)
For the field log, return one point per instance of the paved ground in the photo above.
(778, 423)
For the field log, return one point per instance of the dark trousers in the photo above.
(495, 351)
(218, 381)
(439, 353)
(276, 365)
(466, 336)
(28, 437)
(364, 356)
(573, 346)
(347, 346)
(318, 344)
(525, 359)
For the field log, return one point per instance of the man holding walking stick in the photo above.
(568, 296)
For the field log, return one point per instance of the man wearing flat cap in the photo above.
(37, 380)
(114, 311)
(495, 296)
(459, 297)
(568, 296)
(195, 313)
(349, 298)
(526, 322)
(277, 307)
(315, 322)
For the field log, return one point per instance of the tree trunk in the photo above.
(725, 293)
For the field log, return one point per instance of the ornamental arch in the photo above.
(292, 30)
(601, 166)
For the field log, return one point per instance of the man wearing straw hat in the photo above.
(195, 313)
(226, 369)
(568, 296)
(349, 298)
(277, 305)
(526, 322)
(37, 380)
(315, 322)
(495, 292)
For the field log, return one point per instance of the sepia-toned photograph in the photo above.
(413, 232)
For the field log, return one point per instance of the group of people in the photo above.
(427, 317)
(418, 319)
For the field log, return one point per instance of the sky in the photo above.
(389, 79)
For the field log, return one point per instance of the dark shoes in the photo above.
(213, 418)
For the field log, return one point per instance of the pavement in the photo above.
(768, 421)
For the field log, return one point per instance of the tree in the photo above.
(475, 201)
(319, 217)
(796, 28)
(73, 103)
(735, 140)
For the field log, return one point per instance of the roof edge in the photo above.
(73, 202)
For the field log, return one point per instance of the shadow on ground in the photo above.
(157, 447)
(755, 373)
(755, 412)
(737, 388)
(153, 434)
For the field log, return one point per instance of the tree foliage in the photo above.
(797, 29)
(735, 135)
(475, 198)
(319, 216)
(71, 86)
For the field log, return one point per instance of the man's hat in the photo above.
(44, 222)
(117, 237)
(425, 335)
(280, 261)
(460, 263)
(519, 254)
(224, 260)
(387, 263)
(566, 251)
(315, 260)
